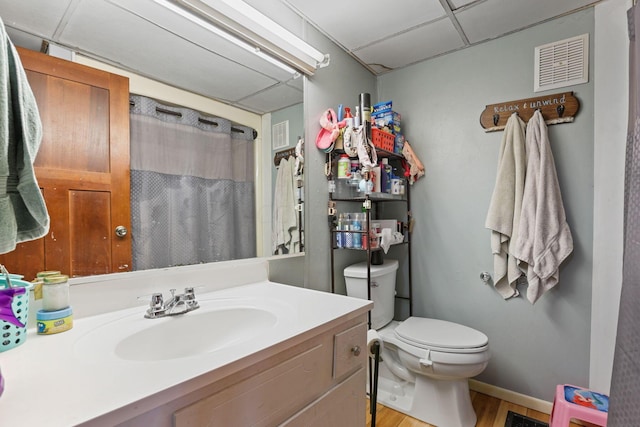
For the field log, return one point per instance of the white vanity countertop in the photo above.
(50, 381)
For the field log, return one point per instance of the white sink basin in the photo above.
(217, 325)
(195, 333)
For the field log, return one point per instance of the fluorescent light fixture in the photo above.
(225, 35)
(248, 24)
(258, 18)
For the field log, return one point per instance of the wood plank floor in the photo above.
(491, 412)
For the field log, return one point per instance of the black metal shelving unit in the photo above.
(368, 201)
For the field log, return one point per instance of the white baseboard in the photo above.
(511, 396)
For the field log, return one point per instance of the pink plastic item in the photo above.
(564, 410)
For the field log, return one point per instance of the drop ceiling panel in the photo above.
(413, 46)
(457, 4)
(356, 23)
(142, 46)
(280, 13)
(494, 18)
(272, 99)
(26, 14)
(22, 39)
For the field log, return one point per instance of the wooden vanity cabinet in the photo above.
(320, 380)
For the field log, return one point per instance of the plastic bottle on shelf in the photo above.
(376, 179)
(348, 117)
(385, 176)
(365, 236)
(348, 237)
(373, 235)
(354, 166)
(356, 225)
(339, 234)
(389, 173)
(344, 166)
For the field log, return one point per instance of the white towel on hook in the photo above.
(504, 209)
(544, 238)
(285, 221)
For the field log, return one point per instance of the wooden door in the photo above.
(82, 168)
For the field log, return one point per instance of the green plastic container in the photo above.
(11, 335)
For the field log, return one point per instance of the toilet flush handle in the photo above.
(426, 361)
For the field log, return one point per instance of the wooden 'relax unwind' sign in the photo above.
(555, 108)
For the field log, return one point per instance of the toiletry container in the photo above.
(53, 322)
(383, 288)
(376, 179)
(348, 117)
(356, 225)
(344, 167)
(55, 293)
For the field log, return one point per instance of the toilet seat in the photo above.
(441, 336)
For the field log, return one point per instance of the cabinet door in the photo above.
(82, 168)
(344, 405)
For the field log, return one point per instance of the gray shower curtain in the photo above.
(624, 410)
(192, 187)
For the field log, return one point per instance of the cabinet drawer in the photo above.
(264, 399)
(349, 350)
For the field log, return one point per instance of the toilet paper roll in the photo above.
(372, 338)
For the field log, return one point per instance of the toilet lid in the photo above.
(441, 335)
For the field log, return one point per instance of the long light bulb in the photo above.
(225, 35)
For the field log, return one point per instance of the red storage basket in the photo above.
(382, 140)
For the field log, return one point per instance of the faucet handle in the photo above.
(190, 298)
(156, 301)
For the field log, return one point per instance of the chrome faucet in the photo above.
(178, 304)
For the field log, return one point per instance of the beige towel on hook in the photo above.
(285, 220)
(504, 209)
(544, 238)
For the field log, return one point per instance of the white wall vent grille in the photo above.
(280, 135)
(562, 63)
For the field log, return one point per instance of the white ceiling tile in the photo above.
(494, 18)
(460, 3)
(272, 99)
(280, 13)
(413, 46)
(28, 14)
(22, 39)
(356, 23)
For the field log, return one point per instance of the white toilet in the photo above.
(426, 363)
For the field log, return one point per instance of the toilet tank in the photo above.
(383, 288)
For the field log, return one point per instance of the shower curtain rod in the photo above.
(200, 119)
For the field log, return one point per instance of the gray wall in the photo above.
(340, 83)
(287, 269)
(534, 347)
